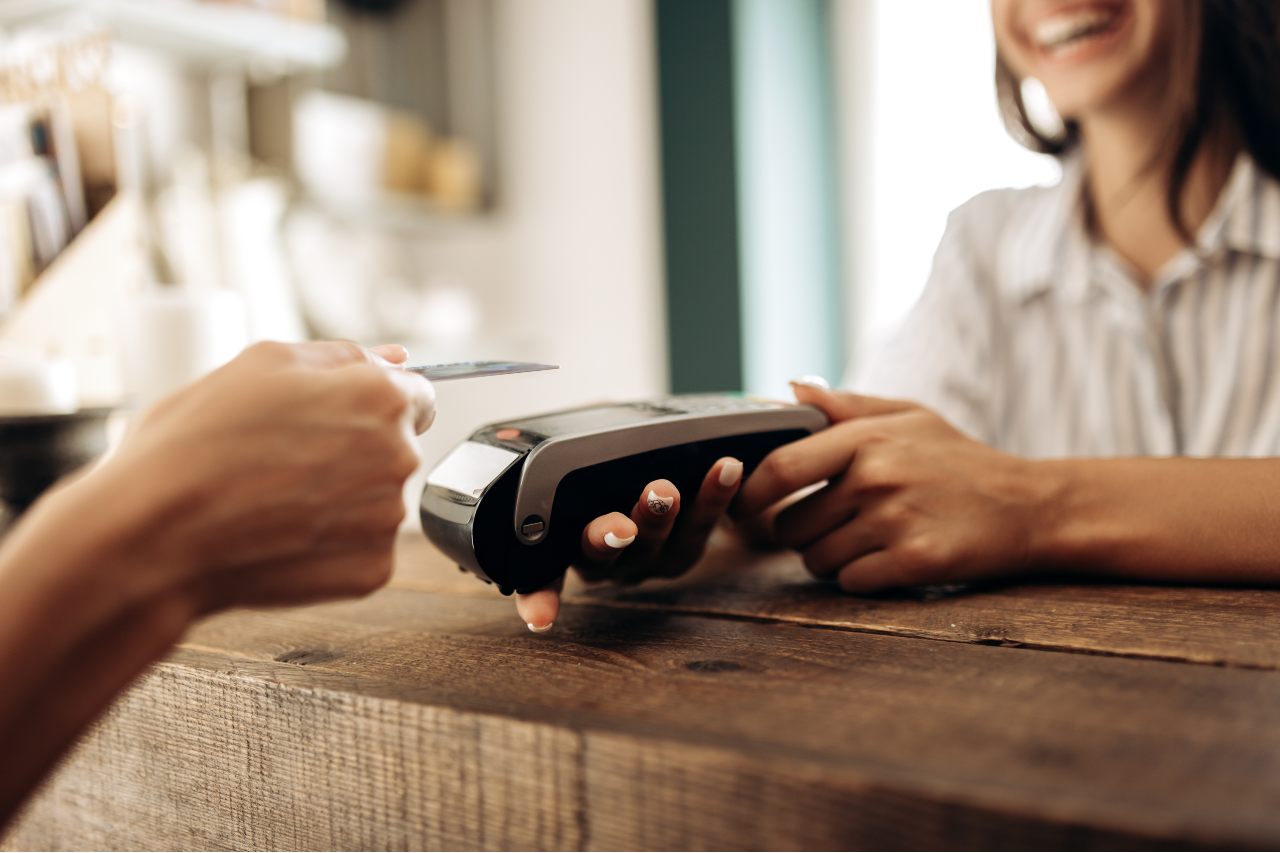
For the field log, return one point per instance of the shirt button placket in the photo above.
(1169, 385)
(1142, 316)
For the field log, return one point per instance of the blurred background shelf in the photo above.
(399, 212)
(197, 34)
(74, 309)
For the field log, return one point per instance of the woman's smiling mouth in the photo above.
(1077, 31)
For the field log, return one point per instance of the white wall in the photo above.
(580, 187)
(578, 273)
(920, 134)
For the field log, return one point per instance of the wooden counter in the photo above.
(743, 707)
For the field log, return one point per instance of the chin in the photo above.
(1082, 94)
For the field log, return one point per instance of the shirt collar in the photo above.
(1247, 218)
(1046, 246)
(1049, 248)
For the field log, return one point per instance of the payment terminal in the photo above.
(510, 503)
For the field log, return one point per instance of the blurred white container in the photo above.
(340, 146)
(254, 261)
(31, 384)
(179, 334)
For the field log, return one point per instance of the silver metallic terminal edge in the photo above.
(549, 462)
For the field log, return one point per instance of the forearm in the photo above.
(79, 688)
(84, 607)
(1162, 519)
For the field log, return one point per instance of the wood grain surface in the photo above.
(1221, 626)
(743, 707)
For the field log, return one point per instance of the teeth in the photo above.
(1061, 29)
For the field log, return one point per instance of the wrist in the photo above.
(80, 559)
(100, 537)
(1077, 518)
(1050, 486)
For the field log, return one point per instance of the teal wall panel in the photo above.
(696, 95)
(787, 193)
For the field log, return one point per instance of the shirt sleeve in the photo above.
(942, 355)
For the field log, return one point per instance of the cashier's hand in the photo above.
(904, 497)
(660, 538)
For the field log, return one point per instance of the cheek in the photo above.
(1136, 68)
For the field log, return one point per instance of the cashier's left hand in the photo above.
(903, 498)
(659, 538)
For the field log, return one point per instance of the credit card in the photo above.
(472, 369)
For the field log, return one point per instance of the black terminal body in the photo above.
(511, 502)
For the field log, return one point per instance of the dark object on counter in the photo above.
(38, 450)
(382, 6)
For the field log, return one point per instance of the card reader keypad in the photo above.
(711, 404)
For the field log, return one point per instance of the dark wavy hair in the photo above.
(1223, 72)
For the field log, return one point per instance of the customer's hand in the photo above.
(274, 480)
(908, 499)
(656, 540)
(278, 478)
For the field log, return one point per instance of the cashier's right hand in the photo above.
(658, 538)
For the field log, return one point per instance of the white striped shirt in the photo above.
(1035, 339)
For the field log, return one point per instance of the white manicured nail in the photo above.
(812, 381)
(730, 473)
(535, 629)
(618, 542)
(659, 505)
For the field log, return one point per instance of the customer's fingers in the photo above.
(421, 395)
(326, 574)
(394, 353)
(339, 353)
(329, 353)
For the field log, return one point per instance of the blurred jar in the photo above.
(178, 334)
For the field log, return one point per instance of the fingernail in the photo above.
(809, 380)
(618, 542)
(535, 629)
(658, 505)
(730, 473)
